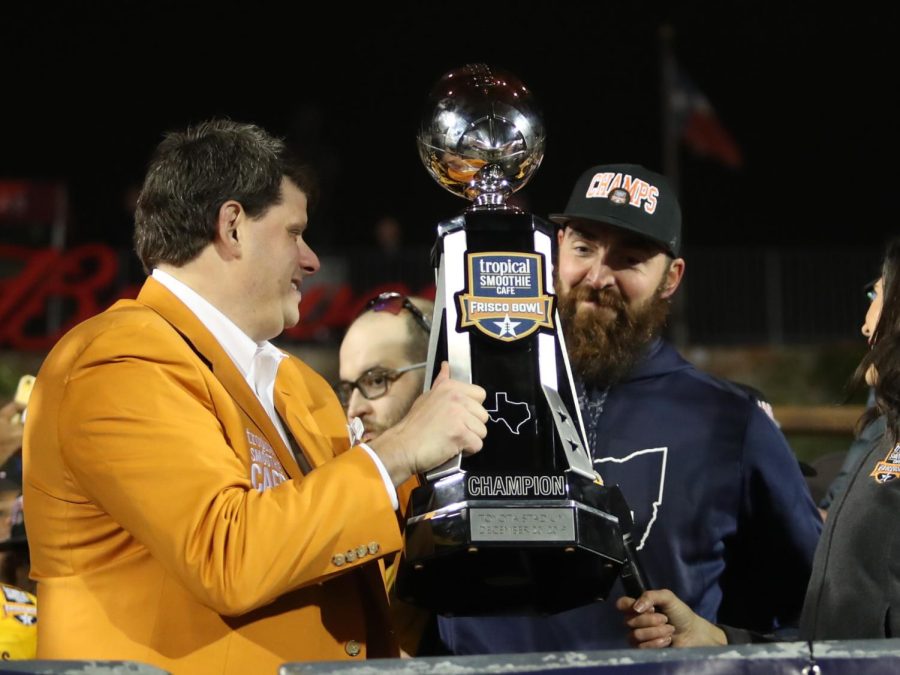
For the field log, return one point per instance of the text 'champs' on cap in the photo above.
(628, 196)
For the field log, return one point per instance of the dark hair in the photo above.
(193, 172)
(885, 352)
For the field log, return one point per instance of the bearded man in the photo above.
(721, 509)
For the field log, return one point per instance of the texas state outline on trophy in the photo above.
(526, 524)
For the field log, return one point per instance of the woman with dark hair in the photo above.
(854, 591)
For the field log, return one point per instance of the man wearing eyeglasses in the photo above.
(193, 499)
(382, 370)
(382, 361)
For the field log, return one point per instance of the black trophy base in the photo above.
(490, 556)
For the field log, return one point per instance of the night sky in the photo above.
(88, 89)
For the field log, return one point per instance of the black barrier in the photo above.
(856, 657)
(80, 668)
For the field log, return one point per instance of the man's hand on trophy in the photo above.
(444, 421)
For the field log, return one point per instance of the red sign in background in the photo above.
(50, 291)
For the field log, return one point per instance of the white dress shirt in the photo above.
(256, 361)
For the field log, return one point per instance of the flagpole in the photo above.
(667, 104)
(670, 140)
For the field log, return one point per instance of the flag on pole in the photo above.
(697, 125)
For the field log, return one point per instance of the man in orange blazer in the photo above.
(186, 506)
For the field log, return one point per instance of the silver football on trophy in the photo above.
(482, 134)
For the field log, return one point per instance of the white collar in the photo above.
(236, 343)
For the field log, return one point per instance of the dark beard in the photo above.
(604, 349)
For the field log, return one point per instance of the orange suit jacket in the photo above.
(169, 524)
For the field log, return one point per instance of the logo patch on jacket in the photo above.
(642, 479)
(266, 470)
(887, 469)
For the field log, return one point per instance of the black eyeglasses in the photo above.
(373, 383)
(394, 302)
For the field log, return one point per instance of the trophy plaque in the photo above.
(526, 524)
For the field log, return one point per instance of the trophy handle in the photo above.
(458, 348)
(634, 579)
(574, 448)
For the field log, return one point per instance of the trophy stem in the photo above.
(489, 188)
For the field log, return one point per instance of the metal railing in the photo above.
(775, 296)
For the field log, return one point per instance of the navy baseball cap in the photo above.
(630, 197)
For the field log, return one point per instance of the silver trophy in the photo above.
(526, 524)
(482, 136)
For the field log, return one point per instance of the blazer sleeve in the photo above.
(140, 434)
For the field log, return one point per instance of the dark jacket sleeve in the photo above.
(742, 636)
(768, 563)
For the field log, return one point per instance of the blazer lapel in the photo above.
(292, 401)
(156, 296)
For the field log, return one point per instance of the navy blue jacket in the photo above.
(723, 516)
